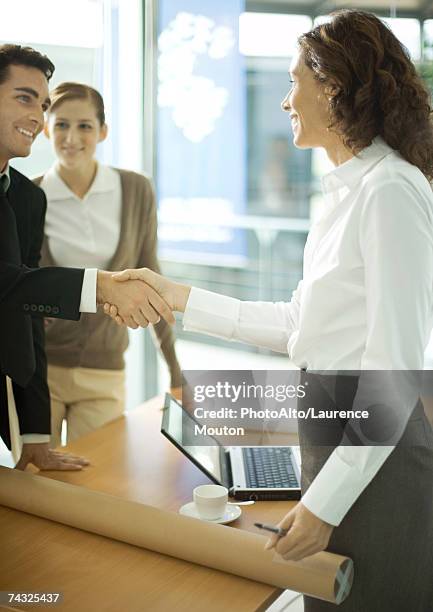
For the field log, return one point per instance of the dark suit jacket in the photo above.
(27, 294)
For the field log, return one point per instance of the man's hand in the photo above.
(137, 304)
(44, 458)
(174, 294)
(307, 535)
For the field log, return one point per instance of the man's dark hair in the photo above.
(16, 55)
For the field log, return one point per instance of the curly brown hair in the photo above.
(375, 88)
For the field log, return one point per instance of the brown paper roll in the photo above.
(324, 575)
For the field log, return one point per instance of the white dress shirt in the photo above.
(365, 301)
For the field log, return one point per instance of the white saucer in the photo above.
(230, 515)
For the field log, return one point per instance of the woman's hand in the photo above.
(307, 534)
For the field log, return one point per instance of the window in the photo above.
(97, 42)
(234, 193)
(71, 34)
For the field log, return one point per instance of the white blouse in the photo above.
(83, 232)
(365, 301)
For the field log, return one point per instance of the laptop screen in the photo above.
(206, 458)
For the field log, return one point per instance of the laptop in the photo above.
(252, 472)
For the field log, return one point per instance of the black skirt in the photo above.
(388, 532)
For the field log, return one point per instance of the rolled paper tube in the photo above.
(324, 575)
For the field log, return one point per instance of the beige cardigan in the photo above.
(95, 341)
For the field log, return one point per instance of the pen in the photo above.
(278, 530)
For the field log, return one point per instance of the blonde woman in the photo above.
(100, 217)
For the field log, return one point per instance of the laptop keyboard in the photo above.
(269, 467)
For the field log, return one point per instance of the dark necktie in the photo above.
(17, 356)
(9, 244)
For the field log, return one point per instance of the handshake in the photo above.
(136, 298)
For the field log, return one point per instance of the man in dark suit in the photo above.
(27, 368)
(27, 293)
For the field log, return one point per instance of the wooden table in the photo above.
(130, 458)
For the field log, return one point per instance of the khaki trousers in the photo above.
(86, 398)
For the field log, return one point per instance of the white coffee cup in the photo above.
(210, 501)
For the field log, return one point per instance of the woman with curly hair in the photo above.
(365, 303)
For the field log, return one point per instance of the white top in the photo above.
(365, 300)
(83, 233)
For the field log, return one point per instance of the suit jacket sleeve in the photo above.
(41, 292)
